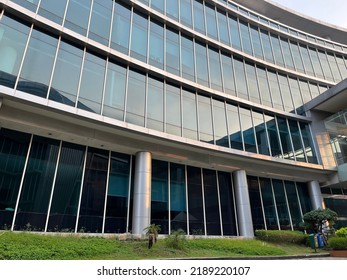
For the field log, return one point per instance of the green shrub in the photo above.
(281, 236)
(338, 243)
(342, 232)
(176, 240)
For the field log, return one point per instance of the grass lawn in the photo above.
(29, 246)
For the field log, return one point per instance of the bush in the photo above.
(342, 232)
(176, 240)
(281, 236)
(338, 243)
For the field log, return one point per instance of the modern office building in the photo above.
(215, 117)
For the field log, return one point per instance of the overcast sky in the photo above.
(330, 11)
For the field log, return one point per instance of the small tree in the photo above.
(317, 220)
(152, 232)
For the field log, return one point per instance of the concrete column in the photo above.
(315, 195)
(142, 192)
(243, 205)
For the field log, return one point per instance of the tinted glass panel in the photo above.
(37, 185)
(92, 83)
(273, 136)
(234, 33)
(77, 16)
(228, 75)
(213, 226)
(120, 28)
(29, 4)
(227, 203)
(223, 27)
(260, 133)
(178, 211)
(115, 91)
(220, 124)
(293, 203)
(53, 10)
(156, 45)
(201, 64)
(256, 204)
(308, 143)
(205, 119)
(135, 108)
(195, 201)
(285, 138)
(99, 28)
(160, 196)
(215, 69)
(12, 45)
(211, 21)
(94, 189)
(269, 204)
(66, 74)
(189, 115)
(13, 151)
(234, 127)
(38, 64)
(63, 212)
(281, 204)
(304, 197)
(155, 104)
(248, 130)
(172, 8)
(172, 52)
(186, 12)
(117, 194)
(199, 21)
(173, 110)
(187, 58)
(139, 37)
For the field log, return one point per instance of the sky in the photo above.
(330, 11)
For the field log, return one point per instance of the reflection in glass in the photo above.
(37, 185)
(63, 211)
(12, 45)
(189, 115)
(53, 10)
(220, 124)
(269, 204)
(201, 64)
(213, 226)
(92, 83)
(93, 194)
(256, 203)
(38, 64)
(100, 22)
(13, 151)
(285, 138)
(281, 205)
(234, 127)
(227, 204)
(172, 55)
(205, 119)
(211, 21)
(228, 74)
(178, 207)
(173, 110)
(260, 133)
(195, 201)
(120, 27)
(215, 69)
(139, 32)
(117, 194)
(160, 196)
(187, 58)
(248, 130)
(293, 203)
(155, 104)
(156, 45)
(135, 108)
(66, 74)
(115, 91)
(77, 16)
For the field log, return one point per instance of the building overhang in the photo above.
(43, 117)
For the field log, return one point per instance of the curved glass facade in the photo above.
(208, 74)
